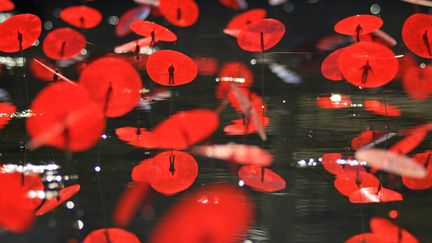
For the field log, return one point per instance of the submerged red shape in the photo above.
(365, 138)
(169, 172)
(63, 43)
(334, 101)
(242, 20)
(112, 83)
(375, 195)
(417, 82)
(241, 127)
(182, 13)
(207, 66)
(348, 182)
(236, 153)
(65, 118)
(129, 203)
(409, 143)
(233, 73)
(417, 34)
(153, 30)
(19, 32)
(63, 196)
(357, 25)
(424, 159)
(39, 72)
(6, 5)
(81, 16)
(6, 109)
(261, 179)
(261, 35)
(171, 68)
(330, 66)
(381, 108)
(111, 235)
(390, 231)
(215, 213)
(366, 238)
(329, 162)
(368, 64)
(126, 19)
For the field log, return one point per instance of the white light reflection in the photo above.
(230, 79)
(70, 205)
(241, 183)
(80, 224)
(28, 168)
(97, 168)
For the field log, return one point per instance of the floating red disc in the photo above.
(348, 183)
(233, 73)
(6, 5)
(330, 66)
(261, 35)
(368, 65)
(234, 4)
(261, 179)
(365, 138)
(417, 34)
(409, 143)
(63, 43)
(19, 32)
(390, 231)
(66, 118)
(6, 109)
(129, 203)
(334, 101)
(417, 82)
(153, 30)
(138, 13)
(241, 127)
(111, 235)
(64, 195)
(329, 162)
(81, 16)
(114, 84)
(171, 68)
(380, 108)
(357, 25)
(182, 13)
(39, 72)
(424, 159)
(242, 20)
(365, 238)
(375, 195)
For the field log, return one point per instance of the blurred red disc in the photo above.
(81, 16)
(6, 109)
(182, 13)
(261, 35)
(19, 32)
(374, 195)
(417, 82)
(66, 118)
(111, 235)
(241, 20)
(129, 203)
(138, 137)
(368, 65)
(365, 138)
(216, 213)
(417, 34)
(380, 108)
(169, 172)
(233, 73)
(409, 143)
(64, 195)
(234, 4)
(391, 232)
(151, 29)
(126, 19)
(39, 72)
(424, 159)
(63, 43)
(207, 66)
(348, 183)
(357, 25)
(261, 179)
(171, 68)
(365, 238)
(330, 66)
(329, 162)
(114, 84)
(6, 5)
(239, 127)
(334, 101)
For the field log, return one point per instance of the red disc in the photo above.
(233, 73)
(6, 5)
(347, 183)
(114, 84)
(81, 16)
(417, 82)
(216, 213)
(424, 159)
(168, 172)
(368, 65)
(137, 13)
(171, 68)
(330, 66)
(129, 203)
(234, 4)
(329, 162)
(63, 43)
(365, 238)
(391, 232)
(111, 235)
(365, 138)
(261, 179)
(382, 109)
(21, 30)
(334, 101)
(375, 195)
(64, 195)
(240, 21)
(40, 72)
(66, 118)
(182, 13)
(138, 137)
(240, 127)
(357, 25)
(417, 34)
(261, 35)
(6, 109)
(149, 29)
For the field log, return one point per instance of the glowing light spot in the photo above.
(80, 224)
(70, 205)
(97, 168)
(375, 8)
(336, 98)
(113, 20)
(241, 183)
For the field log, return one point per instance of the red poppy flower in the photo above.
(19, 32)
(236, 153)
(6, 5)
(391, 162)
(261, 35)
(129, 203)
(409, 143)
(126, 19)
(66, 118)
(81, 16)
(334, 101)
(417, 82)
(330, 66)
(114, 84)
(179, 12)
(329, 162)
(6, 109)
(168, 172)
(63, 43)
(241, 127)
(234, 4)
(63, 195)
(348, 182)
(171, 68)
(216, 213)
(111, 235)
(155, 31)
(390, 232)
(261, 179)
(374, 195)
(424, 159)
(368, 65)
(242, 20)
(417, 34)
(365, 138)
(357, 25)
(380, 108)
(233, 73)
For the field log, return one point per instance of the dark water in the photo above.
(309, 209)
